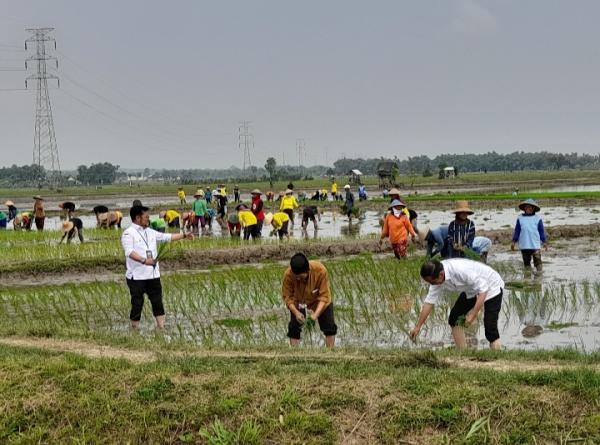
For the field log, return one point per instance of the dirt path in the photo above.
(95, 351)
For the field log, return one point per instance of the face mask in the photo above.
(397, 212)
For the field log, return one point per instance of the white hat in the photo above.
(346, 186)
(268, 219)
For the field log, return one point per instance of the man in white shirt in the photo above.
(479, 286)
(143, 271)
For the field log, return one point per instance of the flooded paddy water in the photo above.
(376, 299)
(334, 225)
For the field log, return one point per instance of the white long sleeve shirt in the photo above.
(138, 239)
(471, 277)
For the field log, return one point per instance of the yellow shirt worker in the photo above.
(248, 222)
(288, 204)
(279, 221)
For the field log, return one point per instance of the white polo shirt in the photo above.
(471, 277)
(137, 239)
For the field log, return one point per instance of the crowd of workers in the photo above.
(306, 290)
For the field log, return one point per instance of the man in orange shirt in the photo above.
(396, 226)
(306, 286)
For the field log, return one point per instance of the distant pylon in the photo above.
(245, 142)
(301, 150)
(45, 149)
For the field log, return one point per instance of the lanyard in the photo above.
(144, 238)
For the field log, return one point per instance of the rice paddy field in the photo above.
(72, 371)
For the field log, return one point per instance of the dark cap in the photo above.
(299, 264)
(136, 211)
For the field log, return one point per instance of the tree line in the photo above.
(107, 173)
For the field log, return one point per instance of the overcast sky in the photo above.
(165, 83)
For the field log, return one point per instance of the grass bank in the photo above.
(412, 398)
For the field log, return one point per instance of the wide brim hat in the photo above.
(347, 186)
(67, 226)
(529, 202)
(9, 203)
(256, 192)
(38, 197)
(396, 202)
(268, 219)
(394, 191)
(199, 192)
(462, 207)
(289, 191)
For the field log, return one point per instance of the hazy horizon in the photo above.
(165, 85)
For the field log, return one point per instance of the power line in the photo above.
(144, 106)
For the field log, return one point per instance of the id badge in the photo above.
(148, 254)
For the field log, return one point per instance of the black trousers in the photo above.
(529, 254)
(491, 312)
(284, 229)
(290, 213)
(137, 289)
(251, 231)
(326, 323)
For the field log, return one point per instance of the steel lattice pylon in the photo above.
(45, 149)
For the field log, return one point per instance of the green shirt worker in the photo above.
(479, 286)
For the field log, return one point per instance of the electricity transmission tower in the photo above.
(45, 149)
(245, 142)
(301, 150)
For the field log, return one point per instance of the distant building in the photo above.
(354, 177)
(449, 172)
(385, 172)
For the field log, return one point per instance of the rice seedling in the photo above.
(376, 302)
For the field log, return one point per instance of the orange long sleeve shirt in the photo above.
(397, 228)
(309, 292)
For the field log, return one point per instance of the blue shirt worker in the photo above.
(437, 240)
(529, 233)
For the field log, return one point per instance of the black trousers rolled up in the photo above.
(326, 323)
(137, 289)
(491, 312)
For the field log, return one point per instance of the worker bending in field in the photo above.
(70, 228)
(248, 222)
(479, 286)
(310, 213)
(306, 288)
(171, 217)
(280, 222)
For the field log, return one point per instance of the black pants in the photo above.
(137, 289)
(251, 231)
(175, 223)
(290, 213)
(491, 312)
(326, 323)
(259, 227)
(284, 230)
(528, 254)
(39, 223)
